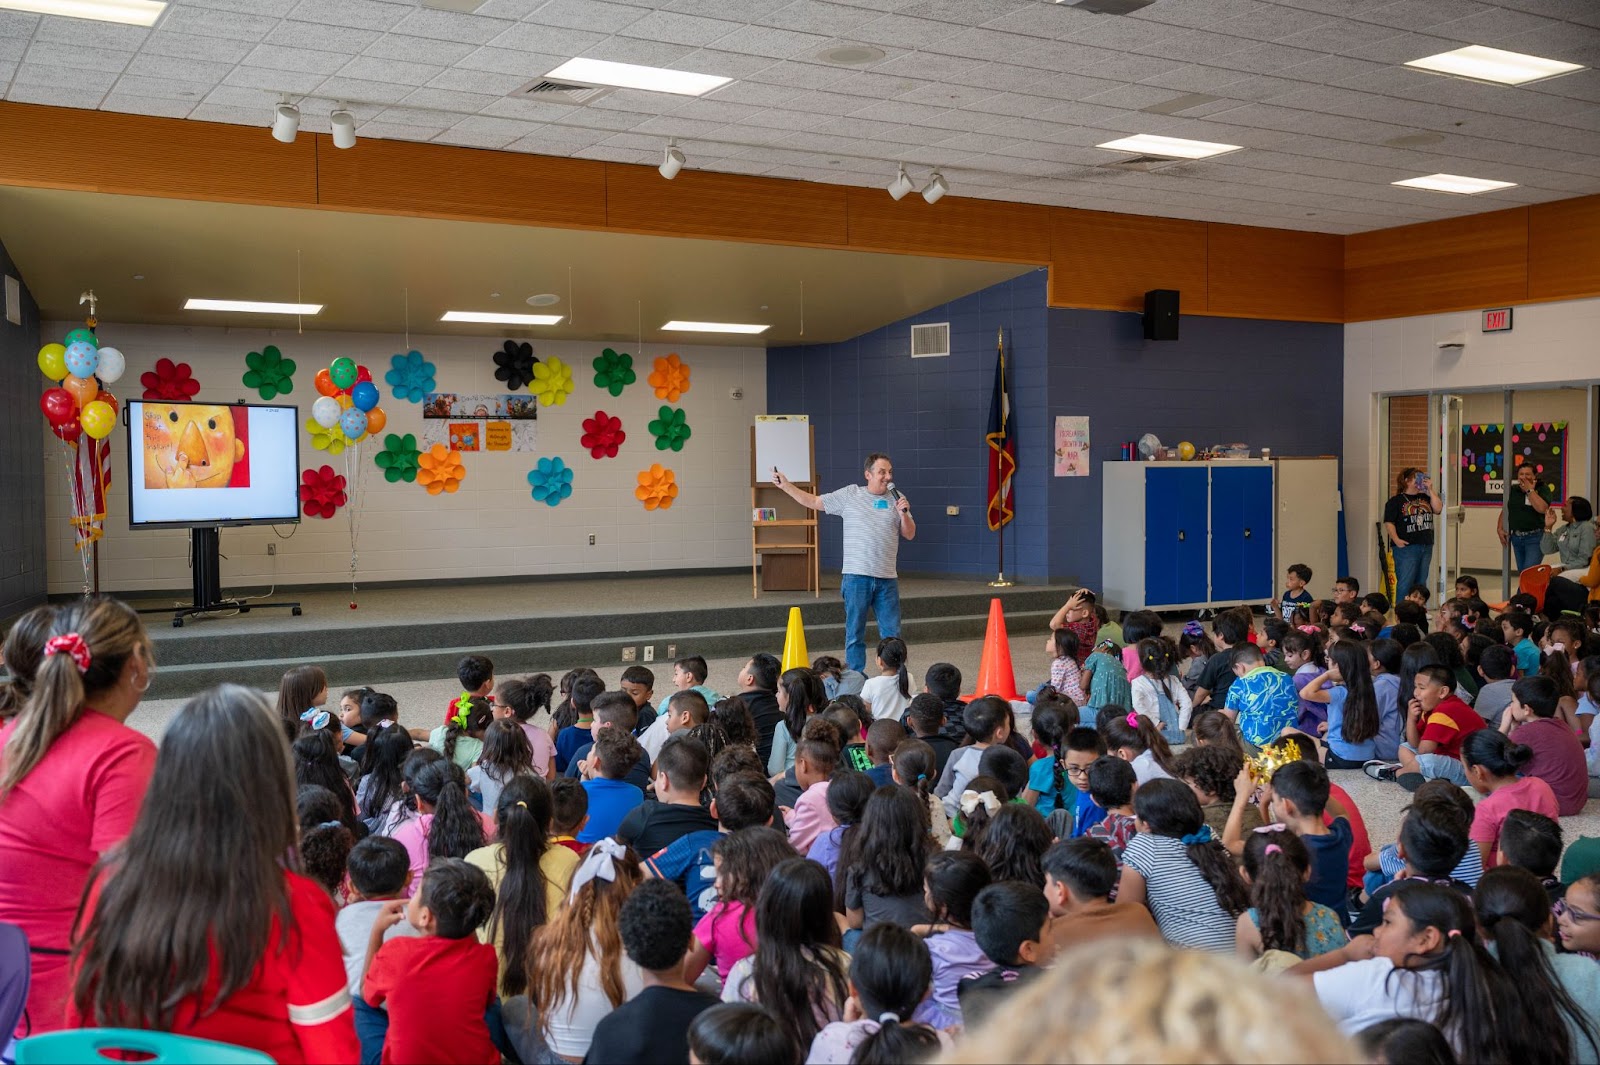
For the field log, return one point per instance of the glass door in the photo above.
(1450, 464)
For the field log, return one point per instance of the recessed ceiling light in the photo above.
(252, 306)
(633, 76)
(1169, 147)
(851, 55)
(138, 277)
(543, 299)
(496, 318)
(715, 327)
(1493, 65)
(1461, 186)
(127, 12)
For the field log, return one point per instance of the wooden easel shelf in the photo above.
(773, 552)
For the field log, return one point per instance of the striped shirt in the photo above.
(871, 530)
(1182, 902)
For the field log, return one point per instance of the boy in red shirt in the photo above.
(1436, 723)
(438, 986)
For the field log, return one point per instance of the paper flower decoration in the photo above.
(657, 488)
(670, 378)
(670, 428)
(441, 470)
(170, 381)
(398, 459)
(514, 364)
(613, 371)
(551, 480)
(330, 438)
(410, 376)
(552, 382)
(321, 492)
(269, 372)
(602, 435)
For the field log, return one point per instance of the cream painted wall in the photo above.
(491, 527)
(1551, 344)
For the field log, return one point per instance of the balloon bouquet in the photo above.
(79, 405)
(345, 414)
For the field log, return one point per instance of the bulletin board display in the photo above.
(1543, 445)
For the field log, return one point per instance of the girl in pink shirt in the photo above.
(448, 826)
(522, 698)
(727, 933)
(1492, 762)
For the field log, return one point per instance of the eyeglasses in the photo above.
(1561, 909)
(1077, 770)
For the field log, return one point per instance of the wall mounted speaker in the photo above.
(1161, 314)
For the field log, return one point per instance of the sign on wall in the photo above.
(1543, 445)
(480, 423)
(1072, 445)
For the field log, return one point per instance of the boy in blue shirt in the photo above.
(574, 736)
(611, 797)
(1518, 627)
(743, 800)
(1297, 797)
(1084, 746)
(1263, 700)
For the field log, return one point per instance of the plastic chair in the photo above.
(78, 1045)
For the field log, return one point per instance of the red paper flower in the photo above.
(169, 381)
(321, 492)
(602, 434)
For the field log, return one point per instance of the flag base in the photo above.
(1000, 581)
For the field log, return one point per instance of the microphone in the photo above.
(895, 492)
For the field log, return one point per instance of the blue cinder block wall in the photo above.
(1270, 384)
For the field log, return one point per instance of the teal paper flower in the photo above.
(410, 376)
(613, 371)
(269, 372)
(398, 459)
(670, 428)
(551, 480)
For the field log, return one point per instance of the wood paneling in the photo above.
(1454, 264)
(1104, 261)
(956, 227)
(1564, 249)
(698, 203)
(1274, 273)
(101, 151)
(467, 184)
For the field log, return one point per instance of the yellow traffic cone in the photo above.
(794, 643)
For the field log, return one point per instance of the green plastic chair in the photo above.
(75, 1046)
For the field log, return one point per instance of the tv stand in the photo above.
(205, 562)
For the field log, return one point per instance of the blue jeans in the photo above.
(1525, 550)
(372, 1026)
(882, 595)
(1411, 564)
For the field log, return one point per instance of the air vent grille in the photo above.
(565, 91)
(930, 341)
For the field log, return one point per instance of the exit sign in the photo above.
(1497, 320)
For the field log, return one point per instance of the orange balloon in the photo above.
(83, 389)
(325, 384)
(376, 420)
(345, 402)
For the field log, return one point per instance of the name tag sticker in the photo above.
(881, 504)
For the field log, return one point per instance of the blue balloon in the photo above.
(83, 358)
(364, 395)
(354, 423)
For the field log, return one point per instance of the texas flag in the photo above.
(1002, 444)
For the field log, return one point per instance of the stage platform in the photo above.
(418, 632)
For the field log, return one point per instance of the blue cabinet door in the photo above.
(1174, 536)
(1241, 534)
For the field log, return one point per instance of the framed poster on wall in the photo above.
(1543, 445)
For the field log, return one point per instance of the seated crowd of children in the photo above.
(829, 868)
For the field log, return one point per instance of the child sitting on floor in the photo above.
(1008, 921)
(1281, 917)
(1493, 763)
(952, 882)
(890, 973)
(1080, 882)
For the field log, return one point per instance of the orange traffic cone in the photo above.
(995, 675)
(794, 643)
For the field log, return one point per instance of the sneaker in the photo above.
(1381, 770)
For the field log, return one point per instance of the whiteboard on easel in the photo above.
(784, 441)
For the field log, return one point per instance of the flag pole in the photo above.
(1000, 533)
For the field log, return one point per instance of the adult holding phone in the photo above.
(1574, 541)
(1408, 522)
(1521, 521)
(876, 516)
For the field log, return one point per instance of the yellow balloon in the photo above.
(98, 419)
(1186, 451)
(345, 402)
(53, 361)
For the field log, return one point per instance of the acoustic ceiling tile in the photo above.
(640, 52)
(161, 88)
(225, 24)
(749, 10)
(544, 40)
(901, 112)
(816, 16)
(53, 95)
(358, 92)
(484, 82)
(149, 105)
(1269, 58)
(54, 77)
(452, 100)
(305, 60)
(905, 31)
(85, 33)
(274, 79)
(452, 26)
(18, 25)
(190, 46)
(346, 39)
(396, 131)
(391, 70)
(361, 14)
(769, 41)
(723, 64)
(68, 59)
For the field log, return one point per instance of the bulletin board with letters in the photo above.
(1543, 445)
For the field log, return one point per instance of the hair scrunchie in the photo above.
(1202, 836)
(1310, 630)
(1133, 719)
(1193, 629)
(317, 718)
(463, 712)
(888, 1017)
(70, 644)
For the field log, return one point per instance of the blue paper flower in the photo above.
(410, 376)
(551, 480)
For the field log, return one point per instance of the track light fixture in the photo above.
(343, 125)
(936, 187)
(901, 184)
(285, 122)
(671, 161)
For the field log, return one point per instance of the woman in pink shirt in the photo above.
(72, 778)
(1492, 762)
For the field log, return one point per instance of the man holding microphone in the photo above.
(875, 517)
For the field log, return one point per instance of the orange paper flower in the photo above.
(670, 378)
(657, 488)
(440, 469)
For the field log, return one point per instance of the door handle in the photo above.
(1181, 535)
(1247, 534)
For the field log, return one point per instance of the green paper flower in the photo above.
(398, 459)
(613, 371)
(269, 372)
(670, 428)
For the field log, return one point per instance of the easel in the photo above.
(792, 536)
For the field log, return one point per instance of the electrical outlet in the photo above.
(591, 539)
(952, 511)
(672, 651)
(649, 652)
(630, 654)
(272, 548)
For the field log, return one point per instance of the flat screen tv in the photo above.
(203, 464)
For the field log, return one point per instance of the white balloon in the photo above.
(112, 366)
(325, 412)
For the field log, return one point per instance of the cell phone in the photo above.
(1424, 482)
